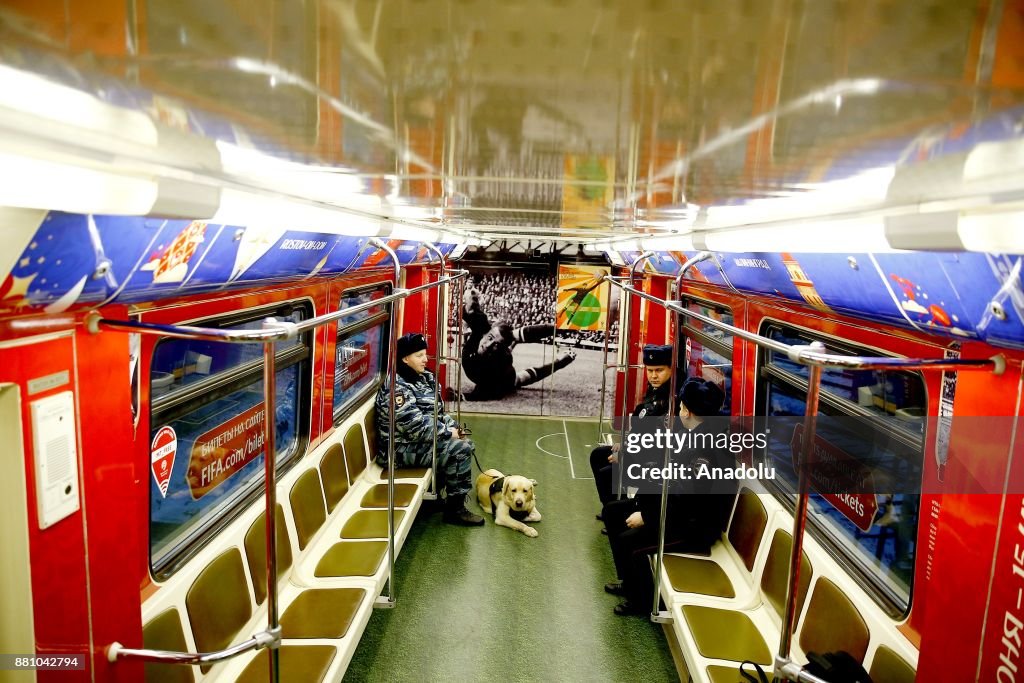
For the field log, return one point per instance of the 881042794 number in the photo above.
(35, 662)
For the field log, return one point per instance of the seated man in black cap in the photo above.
(415, 427)
(658, 367)
(487, 353)
(697, 512)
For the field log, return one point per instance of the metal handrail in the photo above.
(810, 355)
(270, 497)
(258, 641)
(814, 356)
(677, 287)
(273, 330)
(389, 601)
(283, 331)
(625, 375)
(443, 268)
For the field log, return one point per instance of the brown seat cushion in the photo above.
(256, 552)
(833, 623)
(726, 634)
(355, 451)
(370, 524)
(747, 526)
(322, 613)
(335, 478)
(352, 558)
(164, 632)
(305, 663)
(731, 674)
(218, 602)
(377, 496)
(693, 575)
(889, 667)
(370, 430)
(308, 509)
(775, 578)
(405, 473)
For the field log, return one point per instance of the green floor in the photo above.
(489, 603)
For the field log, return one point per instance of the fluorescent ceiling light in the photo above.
(624, 245)
(812, 199)
(250, 209)
(854, 235)
(317, 183)
(414, 233)
(994, 159)
(38, 184)
(668, 243)
(45, 101)
(411, 211)
(994, 233)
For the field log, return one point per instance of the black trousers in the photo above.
(602, 470)
(632, 549)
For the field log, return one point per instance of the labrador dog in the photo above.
(510, 498)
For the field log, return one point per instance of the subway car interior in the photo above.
(532, 340)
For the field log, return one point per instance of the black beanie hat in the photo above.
(658, 355)
(702, 398)
(409, 344)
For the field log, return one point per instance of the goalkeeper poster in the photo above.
(582, 300)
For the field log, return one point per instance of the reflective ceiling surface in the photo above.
(556, 119)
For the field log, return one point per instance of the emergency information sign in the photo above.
(162, 451)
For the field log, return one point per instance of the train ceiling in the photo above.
(557, 120)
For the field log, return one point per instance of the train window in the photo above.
(870, 428)
(360, 349)
(207, 425)
(709, 350)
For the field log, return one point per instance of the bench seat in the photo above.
(716, 632)
(728, 577)
(332, 524)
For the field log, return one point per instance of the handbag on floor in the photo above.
(835, 667)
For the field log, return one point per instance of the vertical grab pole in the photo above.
(389, 601)
(458, 349)
(625, 376)
(670, 423)
(438, 351)
(604, 363)
(800, 514)
(270, 496)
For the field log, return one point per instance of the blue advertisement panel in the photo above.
(76, 260)
(81, 259)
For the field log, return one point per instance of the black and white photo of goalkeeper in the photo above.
(512, 354)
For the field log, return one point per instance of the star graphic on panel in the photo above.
(19, 286)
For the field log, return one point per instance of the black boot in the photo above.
(455, 512)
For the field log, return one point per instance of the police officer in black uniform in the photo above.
(697, 512)
(487, 353)
(658, 366)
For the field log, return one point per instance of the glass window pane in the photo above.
(357, 364)
(883, 545)
(207, 450)
(704, 362)
(180, 362)
(722, 314)
(218, 458)
(358, 355)
(893, 393)
(362, 297)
